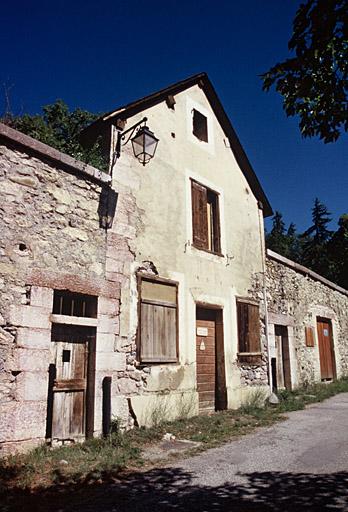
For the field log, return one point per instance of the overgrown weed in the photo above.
(102, 459)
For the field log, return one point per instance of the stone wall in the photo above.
(296, 297)
(50, 214)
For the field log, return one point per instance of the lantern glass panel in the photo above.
(137, 143)
(144, 144)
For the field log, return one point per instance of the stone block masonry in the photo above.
(297, 299)
(51, 239)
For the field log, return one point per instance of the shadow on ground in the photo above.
(172, 489)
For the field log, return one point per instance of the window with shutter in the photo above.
(205, 218)
(157, 336)
(248, 327)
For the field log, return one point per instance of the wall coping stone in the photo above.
(304, 270)
(62, 159)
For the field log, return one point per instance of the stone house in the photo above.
(144, 293)
(60, 282)
(198, 243)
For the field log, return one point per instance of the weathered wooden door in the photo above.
(69, 385)
(210, 359)
(326, 350)
(283, 357)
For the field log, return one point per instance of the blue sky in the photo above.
(98, 55)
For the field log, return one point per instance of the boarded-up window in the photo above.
(158, 321)
(248, 327)
(200, 126)
(205, 218)
(309, 336)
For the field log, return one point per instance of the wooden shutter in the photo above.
(216, 220)
(309, 337)
(158, 322)
(243, 342)
(254, 328)
(248, 327)
(199, 216)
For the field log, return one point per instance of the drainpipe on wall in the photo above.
(264, 290)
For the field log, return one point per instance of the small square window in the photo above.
(74, 304)
(200, 126)
(66, 356)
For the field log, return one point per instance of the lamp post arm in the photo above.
(121, 135)
(132, 128)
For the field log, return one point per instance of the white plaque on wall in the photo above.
(202, 331)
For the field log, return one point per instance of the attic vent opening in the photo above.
(200, 126)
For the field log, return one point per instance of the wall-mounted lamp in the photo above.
(144, 142)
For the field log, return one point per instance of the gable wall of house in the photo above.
(163, 242)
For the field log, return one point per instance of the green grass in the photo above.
(100, 460)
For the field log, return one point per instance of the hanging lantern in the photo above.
(144, 144)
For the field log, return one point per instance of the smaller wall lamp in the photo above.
(144, 142)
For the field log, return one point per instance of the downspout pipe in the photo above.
(264, 291)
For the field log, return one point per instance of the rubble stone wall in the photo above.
(296, 298)
(51, 239)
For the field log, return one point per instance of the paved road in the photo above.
(298, 465)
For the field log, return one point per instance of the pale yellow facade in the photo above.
(162, 190)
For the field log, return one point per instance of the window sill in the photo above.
(142, 364)
(208, 251)
(250, 357)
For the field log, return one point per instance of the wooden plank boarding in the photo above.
(70, 386)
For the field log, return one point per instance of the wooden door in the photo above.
(283, 357)
(210, 359)
(206, 374)
(326, 350)
(69, 386)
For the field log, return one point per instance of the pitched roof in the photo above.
(201, 79)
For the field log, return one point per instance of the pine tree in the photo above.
(276, 239)
(315, 239)
(338, 253)
(281, 240)
(294, 243)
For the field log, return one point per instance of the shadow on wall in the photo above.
(174, 489)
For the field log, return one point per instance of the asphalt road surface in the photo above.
(300, 465)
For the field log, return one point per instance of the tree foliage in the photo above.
(283, 241)
(338, 252)
(314, 82)
(318, 248)
(314, 248)
(60, 128)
